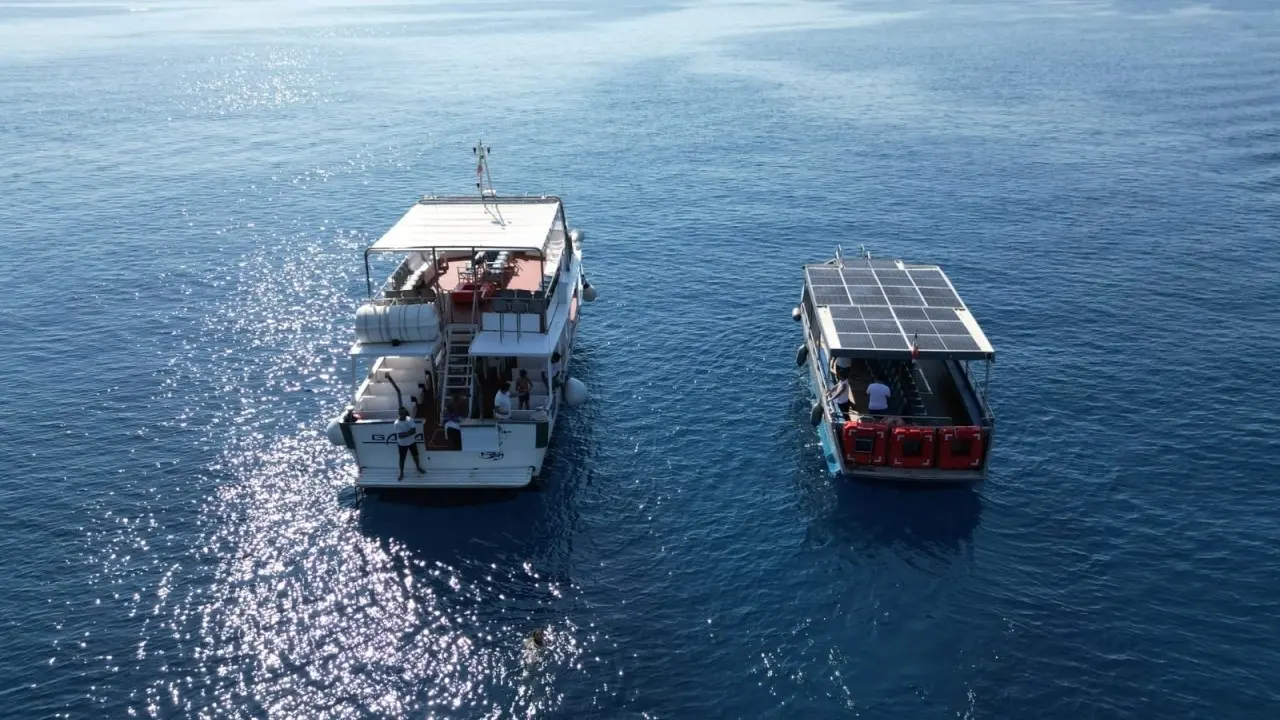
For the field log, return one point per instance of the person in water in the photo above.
(534, 645)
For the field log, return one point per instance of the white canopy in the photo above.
(495, 224)
(491, 343)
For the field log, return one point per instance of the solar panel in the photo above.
(856, 341)
(852, 326)
(882, 312)
(929, 278)
(824, 276)
(830, 295)
(889, 342)
(960, 343)
(882, 305)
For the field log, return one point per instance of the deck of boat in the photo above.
(523, 273)
(922, 391)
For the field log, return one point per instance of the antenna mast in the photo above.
(484, 181)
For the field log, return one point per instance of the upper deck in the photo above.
(494, 264)
(880, 308)
(501, 247)
(474, 223)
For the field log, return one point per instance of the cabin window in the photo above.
(961, 447)
(912, 448)
(864, 445)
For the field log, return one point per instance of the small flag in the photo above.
(915, 346)
(479, 168)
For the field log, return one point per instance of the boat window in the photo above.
(912, 448)
(864, 445)
(961, 447)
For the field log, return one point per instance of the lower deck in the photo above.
(922, 393)
(934, 404)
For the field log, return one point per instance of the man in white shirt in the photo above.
(841, 395)
(406, 434)
(502, 401)
(878, 397)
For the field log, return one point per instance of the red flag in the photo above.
(479, 169)
(915, 347)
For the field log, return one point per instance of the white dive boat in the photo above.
(489, 288)
(903, 326)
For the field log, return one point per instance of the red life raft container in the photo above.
(864, 443)
(961, 448)
(911, 446)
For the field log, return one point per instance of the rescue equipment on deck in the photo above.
(961, 448)
(911, 446)
(864, 443)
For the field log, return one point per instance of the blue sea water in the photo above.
(185, 191)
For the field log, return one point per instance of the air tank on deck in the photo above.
(416, 322)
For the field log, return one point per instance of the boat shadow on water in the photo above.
(489, 525)
(454, 525)
(878, 515)
(873, 515)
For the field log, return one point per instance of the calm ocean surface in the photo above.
(185, 191)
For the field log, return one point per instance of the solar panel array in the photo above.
(878, 306)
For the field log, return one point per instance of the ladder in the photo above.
(458, 376)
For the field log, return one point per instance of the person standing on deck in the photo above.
(523, 388)
(841, 368)
(842, 396)
(878, 395)
(453, 422)
(406, 433)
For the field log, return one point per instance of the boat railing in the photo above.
(405, 297)
(980, 388)
(915, 420)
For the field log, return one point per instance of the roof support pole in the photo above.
(368, 281)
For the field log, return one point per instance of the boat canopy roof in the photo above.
(474, 223)
(866, 307)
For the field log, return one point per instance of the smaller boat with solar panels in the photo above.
(899, 370)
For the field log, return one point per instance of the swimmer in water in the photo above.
(534, 644)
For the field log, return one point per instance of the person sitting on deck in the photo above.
(842, 396)
(523, 388)
(878, 395)
(502, 402)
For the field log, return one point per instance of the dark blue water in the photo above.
(185, 190)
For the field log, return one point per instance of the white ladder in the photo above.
(458, 375)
